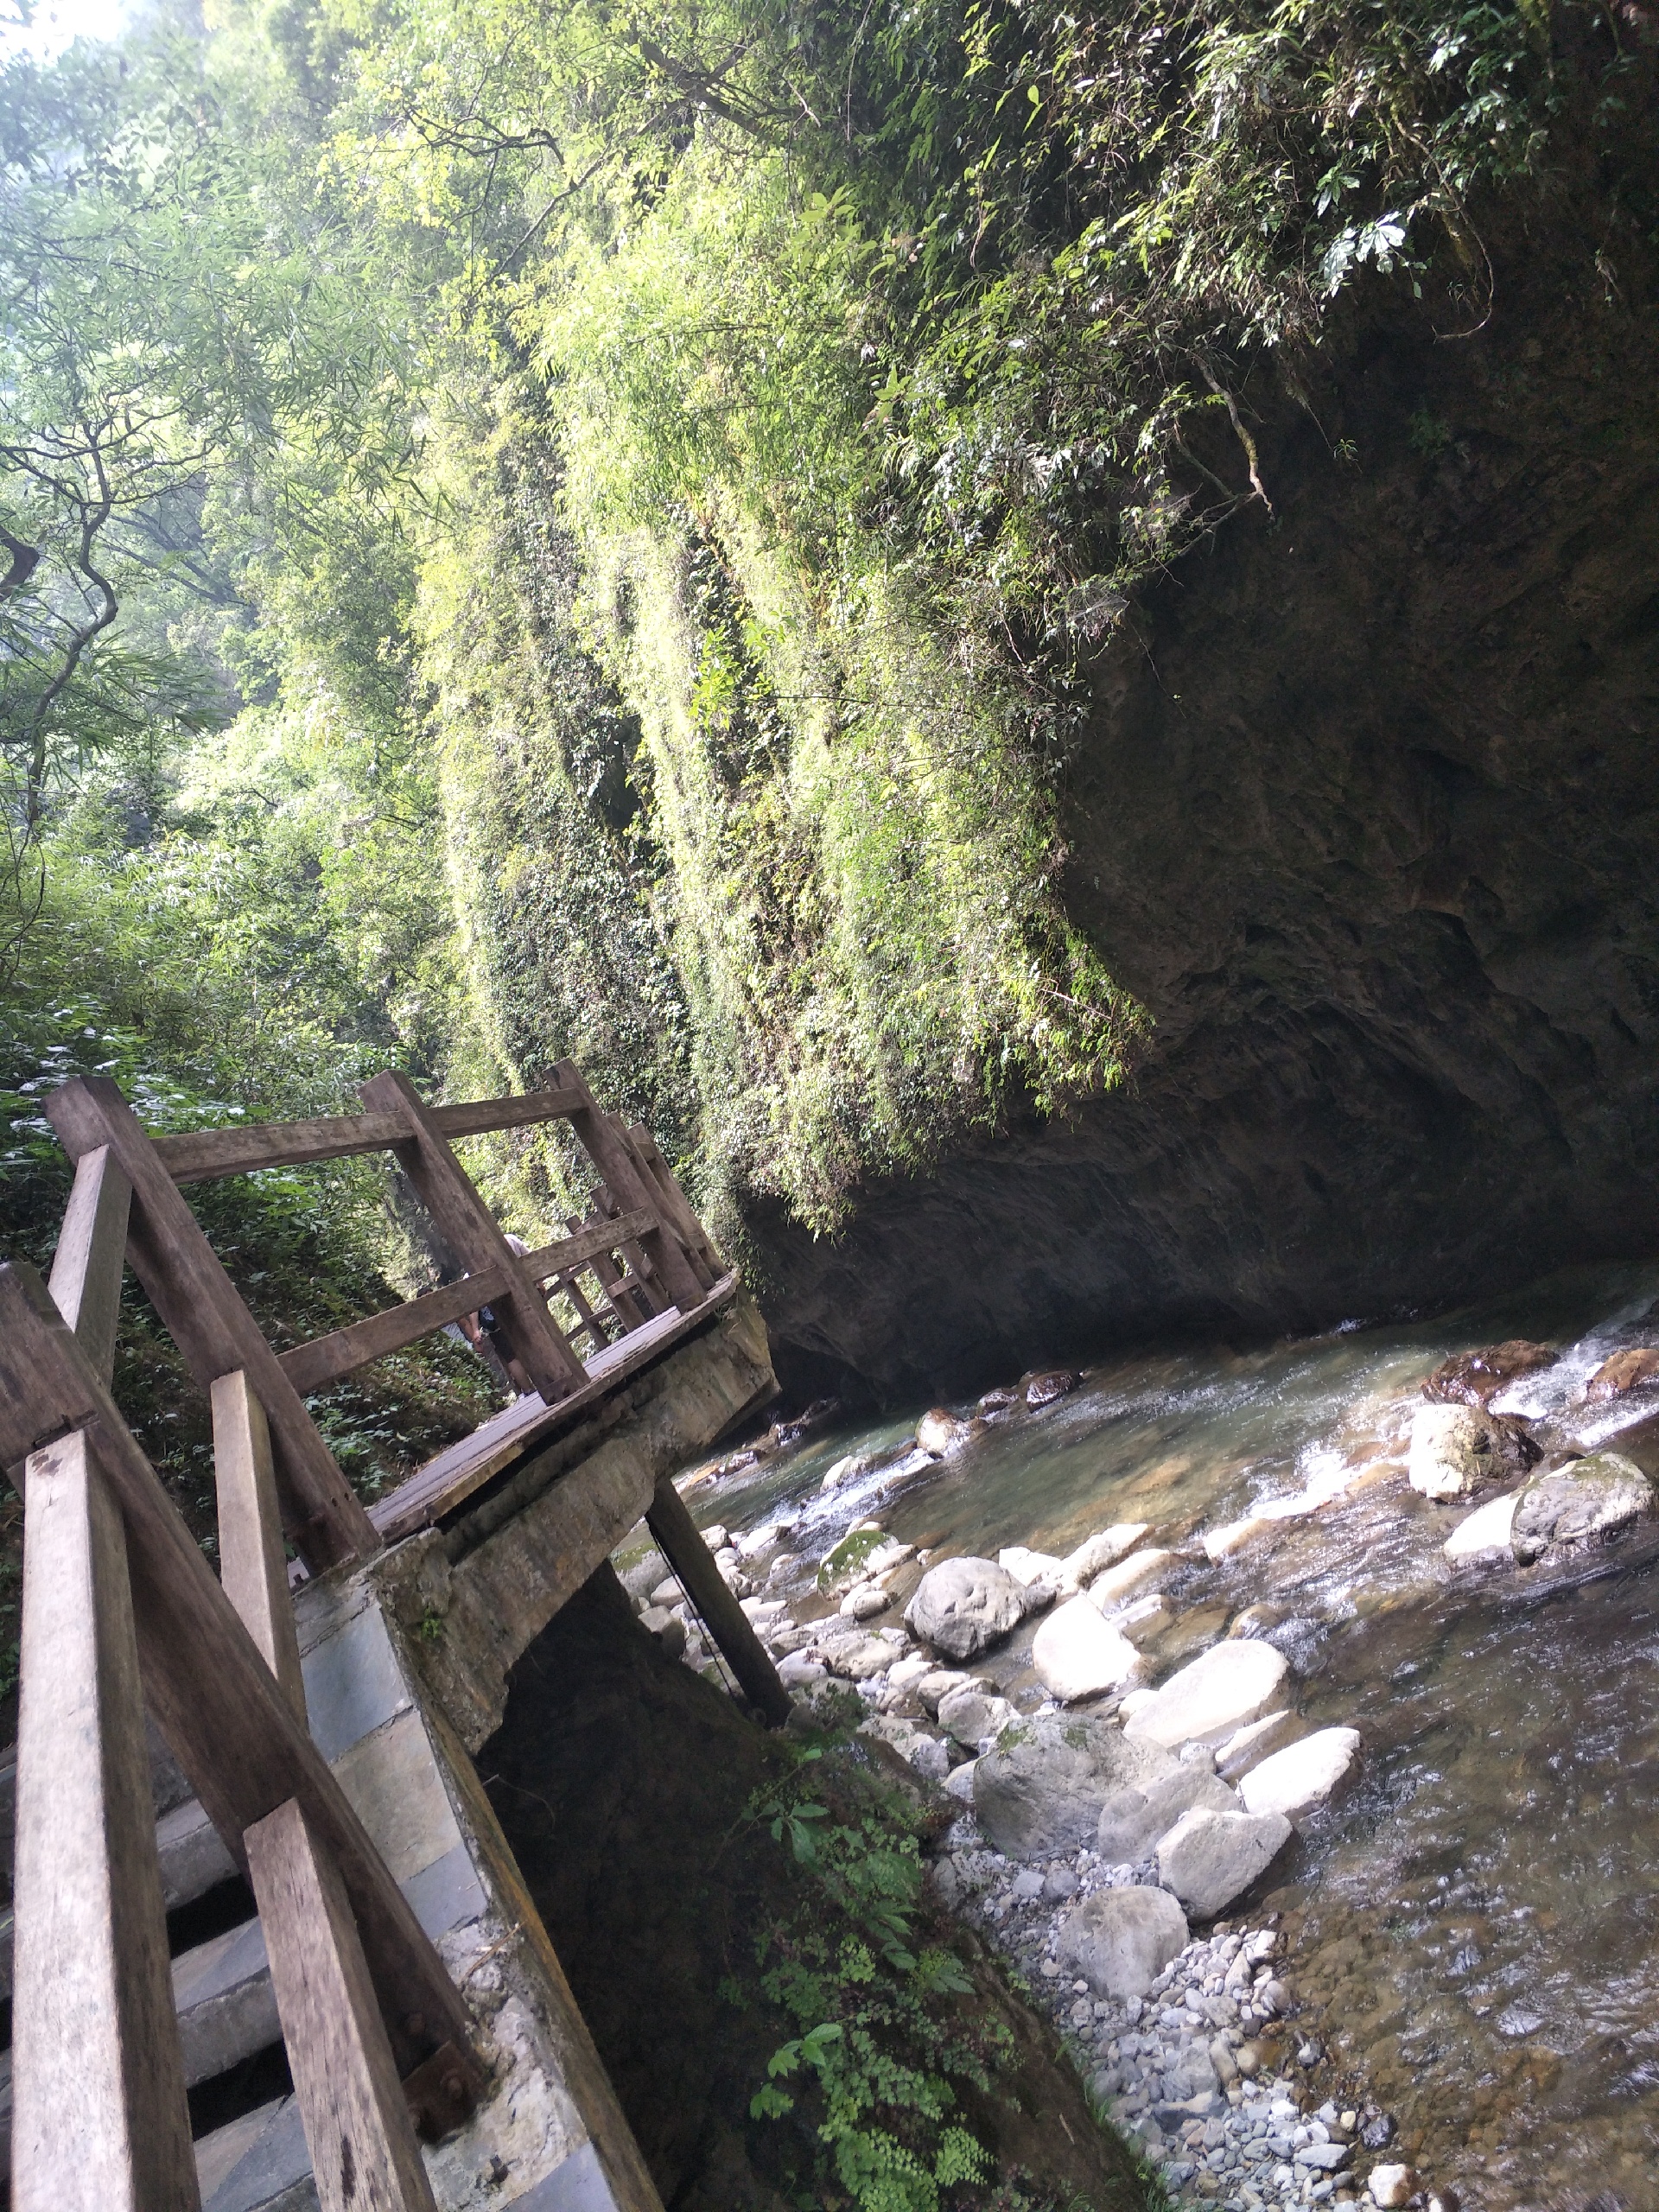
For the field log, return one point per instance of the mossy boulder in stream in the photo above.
(1584, 1502)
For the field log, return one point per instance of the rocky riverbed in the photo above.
(1167, 1796)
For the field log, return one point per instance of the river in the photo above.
(1476, 1928)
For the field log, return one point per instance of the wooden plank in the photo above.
(674, 1202)
(471, 1121)
(92, 1253)
(212, 1693)
(208, 1155)
(364, 2155)
(629, 1187)
(99, 2122)
(212, 1327)
(450, 1479)
(567, 1287)
(693, 1563)
(252, 1571)
(313, 1366)
(477, 1240)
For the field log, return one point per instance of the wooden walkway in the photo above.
(121, 1612)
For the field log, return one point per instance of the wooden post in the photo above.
(207, 1319)
(252, 1571)
(99, 2122)
(86, 1267)
(478, 1242)
(637, 1308)
(212, 1693)
(675, 1204)
(364, 2155)
(692, 1561)
(629, 1187)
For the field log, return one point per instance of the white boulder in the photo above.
(1218, 1693)
(1132, 1821)
(1104, 1549)
(1076, 1653)
(1483, 1531)
(1028, 1565)
(1134, 1577)
(1254, 1743)
(1454, 1449)
(1209, 1858)
(1297, 1780)
(1584, 1502)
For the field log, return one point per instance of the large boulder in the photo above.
(1256, 1741)
(1458, 1449)
(1040, 1789)
(1222, 1689)
(1209, 1858)
(1625, 1371)
(1584, 1502)
(1122, 1940)
(1058, 1382)
(1131, 1821)
(1076, 1653)
(1304, 1777)
(963, 1604)
(1474, 1378)
(942, 1435)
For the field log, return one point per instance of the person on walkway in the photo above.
(482, 1330)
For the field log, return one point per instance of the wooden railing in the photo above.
(120, 1610)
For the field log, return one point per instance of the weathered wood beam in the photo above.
(99, 2122)
(692, 1561)
(207, 1319)
(477, 1240)
(311, 1367)
(675, 1204)
(212, 1693)
(92, 1253)
(630, 1188)
(252, 1571)
(205, 1155)
(364, 2155)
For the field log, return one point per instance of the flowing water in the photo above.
(1476, 1929)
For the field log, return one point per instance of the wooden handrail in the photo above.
(311, 1367)
(207, 1155)
(207, 1319)
(232, 1731)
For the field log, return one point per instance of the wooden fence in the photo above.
(120, 1610)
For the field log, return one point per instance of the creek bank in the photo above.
(1055, 1823)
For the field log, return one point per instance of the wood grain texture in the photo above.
(99, 2122)
(211, 1693)
(630, 1188)
(212, 1328)
(692, 1561)
(208, 1155)
(364, 2155)
(477, 1239)
(252, 1571)
(691, 1233)
(91, 1256)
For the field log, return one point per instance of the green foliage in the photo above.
(881, 2033)
(649, 492)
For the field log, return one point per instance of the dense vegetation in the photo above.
(581, 530)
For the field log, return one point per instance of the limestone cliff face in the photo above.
(1366, 814)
